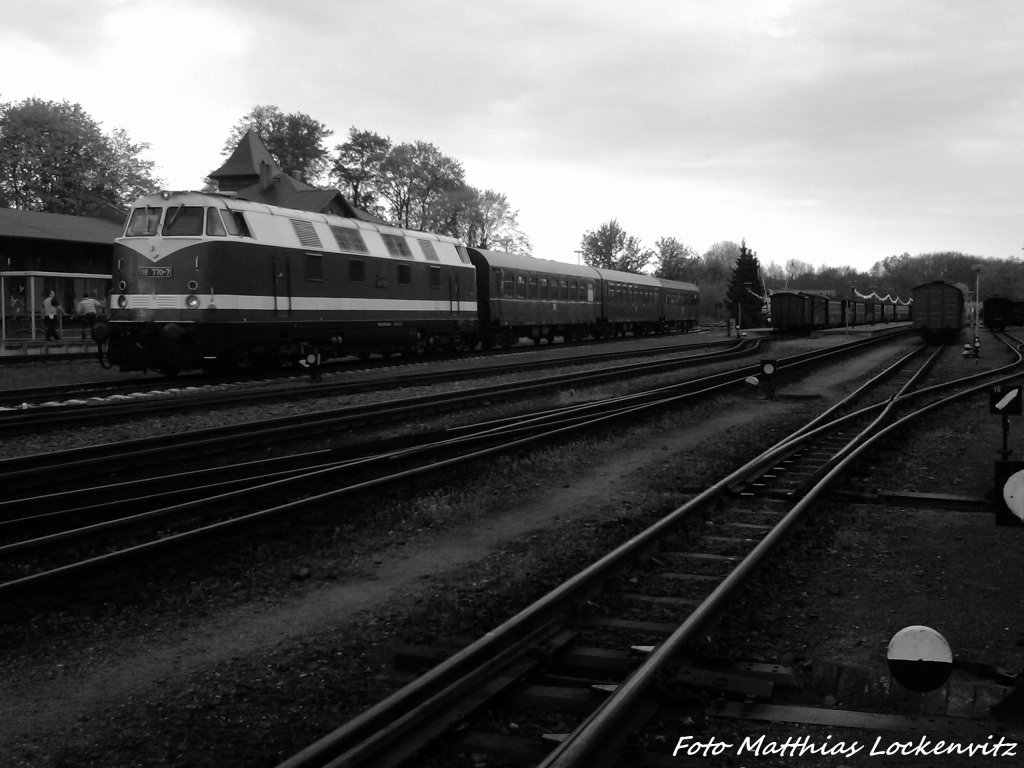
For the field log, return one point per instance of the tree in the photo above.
(55, 158)
(422, 185)
(358, 168)
(796, 268)
(125, 176)
(486, 220)
(611, 248)
(295, 141)
(676, 261)
(738, 297)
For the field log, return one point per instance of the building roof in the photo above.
(277, 187)
(246, 159)
(35, 225)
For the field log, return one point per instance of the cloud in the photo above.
(876, 125)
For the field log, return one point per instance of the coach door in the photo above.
(282, 282)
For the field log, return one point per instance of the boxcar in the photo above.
(835, 313)
(998, 313)
(1018, 313)
(819, 311)
(856, 311)
(938, 311)
(791, 311)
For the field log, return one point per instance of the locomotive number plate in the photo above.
(155, 272)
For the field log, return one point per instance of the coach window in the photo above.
(357, 271)
(144, 222)
(214, 226)
(532, 288)
(183, 221)
(520, 287)
(404, 274)
(507, 285)
(435, 277)
(542, 290)
(572, 290)
(314, 267)
(563, 290)
(590, 291)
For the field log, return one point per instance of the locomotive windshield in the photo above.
(184, 220)
(143, 222)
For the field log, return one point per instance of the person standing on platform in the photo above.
(51, 307)
(88, 308)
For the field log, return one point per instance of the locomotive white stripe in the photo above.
(297, 303)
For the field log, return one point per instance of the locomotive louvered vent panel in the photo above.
(349, 239)
(306, 234)
(397, 245)
(428, 250)
(166, 302)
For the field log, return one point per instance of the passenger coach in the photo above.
(522, 296)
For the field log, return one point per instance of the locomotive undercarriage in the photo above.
(172, 347)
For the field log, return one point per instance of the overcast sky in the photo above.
(831, 132)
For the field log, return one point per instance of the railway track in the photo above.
(188, 505)
(106, 402)
(594, 649)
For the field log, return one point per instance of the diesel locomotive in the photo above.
(210, 280)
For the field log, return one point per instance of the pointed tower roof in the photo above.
(252, 174)
(245, 161)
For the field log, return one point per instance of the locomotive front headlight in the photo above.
(192, 301)
(122, 301)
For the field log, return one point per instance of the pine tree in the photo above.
(746, 270)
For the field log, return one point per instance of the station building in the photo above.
(43, 252)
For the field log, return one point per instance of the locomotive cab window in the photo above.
(214, 226)
(357, 271)
(235, 223)
(183, 221)
(435, 277)
(144, 222)
(404, 274)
